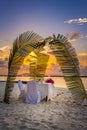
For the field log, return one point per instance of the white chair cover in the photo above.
(22, 90)
(20, 85)
(32, 95)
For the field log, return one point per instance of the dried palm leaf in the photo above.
(69, 64)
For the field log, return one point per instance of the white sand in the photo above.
(59, 114)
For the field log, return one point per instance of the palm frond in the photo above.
(25, 41)
(38, 67)
(68, 61)
(63, 51)
(22, 46)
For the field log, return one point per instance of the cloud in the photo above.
(5, 48)
(6, 59)
(82, 59)
(73, 36)
(1, 51)
(80, 21)
(3, 71)
(82, 54)
(83, 71)
(3, 63)
(54, 69)
(85, 35)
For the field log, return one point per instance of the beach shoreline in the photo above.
(58, 114)
(52, 115)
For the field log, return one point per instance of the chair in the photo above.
(22, 90)
(20, 85)
(33, 96)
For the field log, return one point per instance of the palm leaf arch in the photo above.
(22, 46)
(64, 53)
(67, 59)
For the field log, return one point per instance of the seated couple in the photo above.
(32, 95)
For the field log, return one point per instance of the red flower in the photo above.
(49, 81)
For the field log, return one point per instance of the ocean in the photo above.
(59, 81)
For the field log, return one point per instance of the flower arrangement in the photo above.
(49, 80)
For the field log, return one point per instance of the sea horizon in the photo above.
(59, 80)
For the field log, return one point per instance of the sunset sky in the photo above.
(45, 17)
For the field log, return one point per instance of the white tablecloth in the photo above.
(46, 89)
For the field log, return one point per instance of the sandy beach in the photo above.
(59, 114)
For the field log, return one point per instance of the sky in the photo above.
(45, 17)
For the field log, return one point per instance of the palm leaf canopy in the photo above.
(64, 53)
(69, 64)
(22, 46)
